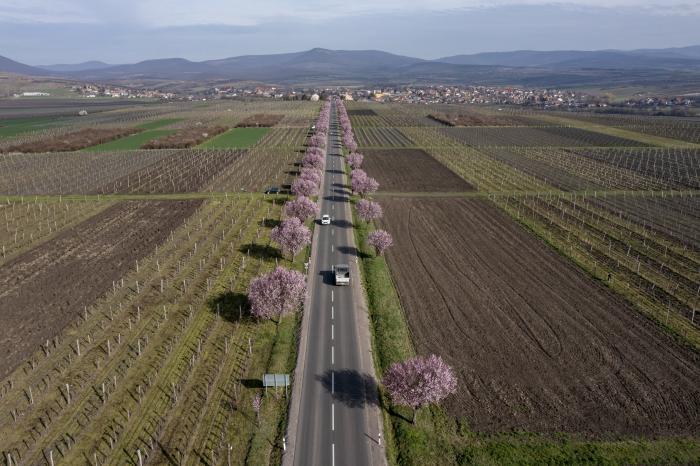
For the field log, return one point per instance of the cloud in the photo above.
(167, 13)
(45, 11)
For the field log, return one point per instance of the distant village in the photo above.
(93, 91)
(484, 95)
(437, 94)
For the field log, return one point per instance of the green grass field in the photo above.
(133, 142)
(159, 123)
(236, 138)
(9, 128)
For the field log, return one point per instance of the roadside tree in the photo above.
(420, 381)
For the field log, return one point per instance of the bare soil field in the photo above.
(72, 141)
(462, 119)
(260, 120)
(45, 289)
(362, 112)
(188, 137)
(537, 344)
(535, 137)
(411, 170)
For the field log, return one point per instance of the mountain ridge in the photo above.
(319, 66)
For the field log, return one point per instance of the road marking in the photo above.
(332, 312)
(332, 232)
(331, 248)
(333, 382)
(333, 416)
(332, 331)
(332, 355)
(333, 453)
(331, 295)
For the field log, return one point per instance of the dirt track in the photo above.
(411, 170)
(537, 344)
(44, 289)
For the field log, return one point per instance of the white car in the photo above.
(325, 219)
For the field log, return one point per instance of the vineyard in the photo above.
(129, 338)
(561, 281)
(551, 259)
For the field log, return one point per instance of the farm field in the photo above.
(21, 125)
(381, 137)
(683, 129)
(536, 343)
(132, 142)
(59, 277)
(125, 273)
(553, 260)
(157, 124)
(541, 136)
(29, 223)
(72, 141)
(411, 170)
(563, 287)
(236, 138)
(146, 171)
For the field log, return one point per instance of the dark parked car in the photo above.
(272, 190)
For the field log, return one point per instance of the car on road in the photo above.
(272, 190)
(341, 274)
(325, 219)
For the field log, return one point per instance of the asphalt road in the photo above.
(337, 422)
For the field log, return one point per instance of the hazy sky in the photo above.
(121, 31)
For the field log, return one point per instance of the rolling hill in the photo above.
(675, 58)
(11, 66)
(320, 66)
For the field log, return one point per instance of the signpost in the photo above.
(276, 380)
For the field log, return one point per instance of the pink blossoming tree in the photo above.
(276, 294)
(311, 174)
(380, 240)
(304, 187)
(301, 208)
(420, 381)
(313, 160)
(368, 210)
(355, 160)
(292, 235)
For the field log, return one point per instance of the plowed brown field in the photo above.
(411, 170)
(538, 345)
(45, 289)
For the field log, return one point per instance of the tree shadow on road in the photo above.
(350, 387)
(337, 198)
(342, 224)
(353, 251)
